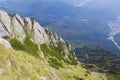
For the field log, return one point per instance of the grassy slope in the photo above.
(18, 65)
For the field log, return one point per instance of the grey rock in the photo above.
(28, 22)
(5, 43)
(18, 31)
(40, 35)
(5, 24)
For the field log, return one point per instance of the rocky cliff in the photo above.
(27, 31)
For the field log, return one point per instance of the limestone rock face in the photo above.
(5, 24)
(19, 19)
(13, 26)
(22, 29)
(28, 22)
(54, 39)
(40, 35)
(3, 31)
(18, 31)
(5, 43)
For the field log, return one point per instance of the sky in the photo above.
(113, 6)
(77, 3)
(71, 2)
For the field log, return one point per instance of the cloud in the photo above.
(80, 3)
(77, 3)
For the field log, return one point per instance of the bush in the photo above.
(16, 44)
(58, 53)
(48, 32)
(11, 15)
(72, 61)
(90, 66)
(6, 37)
(28, 42)
(28, 46)
(112, 72)
(55, 63)
(31, 47)
(49, 50)
(86, 75)
(88, 72)
(32, 51)
(81, 79)
(78, 78)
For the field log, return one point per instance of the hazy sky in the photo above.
(74, 2)
(108, 5)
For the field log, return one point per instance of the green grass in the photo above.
(31, 47)
(11, 15)
(72, 61)
(26, 29)
(6, 37)
(58, 53)
(113, 77)
(28, 46)
(48, 32)
(16, 44)
(19, 65)
(51, 51)
(55, 63)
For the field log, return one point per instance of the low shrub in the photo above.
(55, 63)
(78, 78)
(16, 44)
(28, 46)
(6, 37)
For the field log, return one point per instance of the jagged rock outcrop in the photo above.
(27, 31)
(28, 22)
(5, 24)
(40, 35)
(14, 26)
(17, 27)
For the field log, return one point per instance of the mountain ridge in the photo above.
(27, 33)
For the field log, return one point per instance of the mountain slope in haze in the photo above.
(29, 51)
